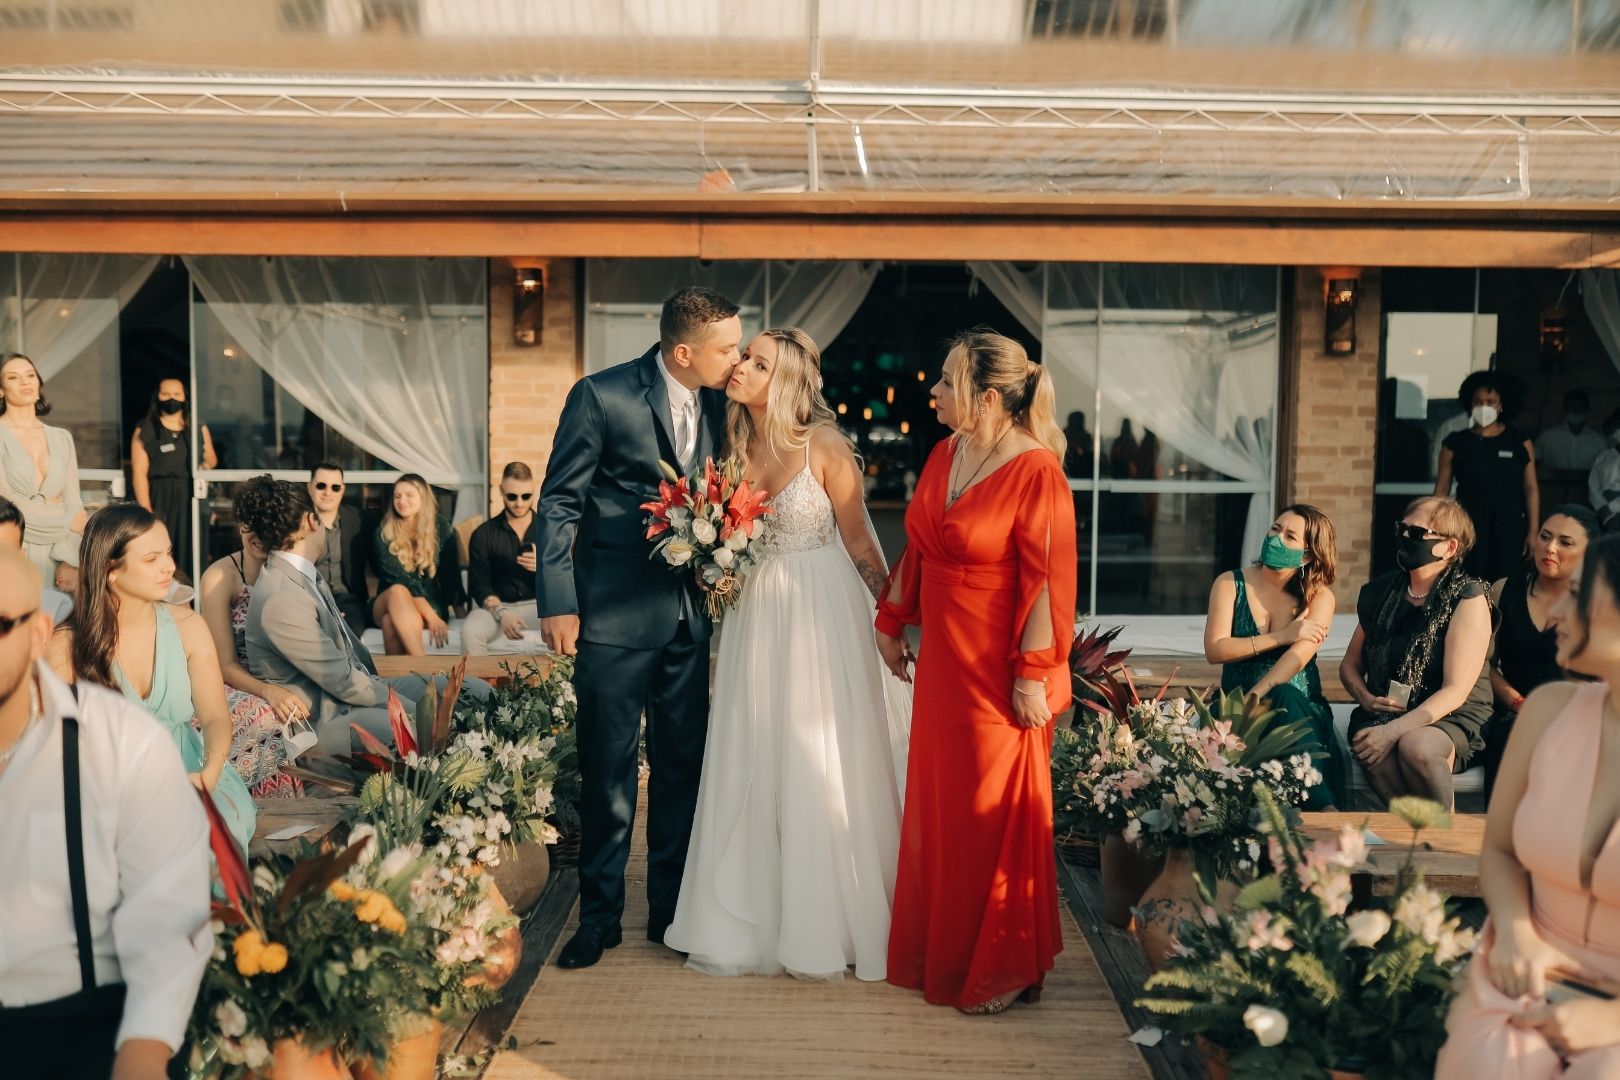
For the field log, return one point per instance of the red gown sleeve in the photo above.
(1047, 559)
(893, 616)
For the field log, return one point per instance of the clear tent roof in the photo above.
(1275, 101)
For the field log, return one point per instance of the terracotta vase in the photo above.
(1215, 1064)
(292, 1060)
(415, 1057)
(501, 961)
(521, 874)
(1126, 873)
(1170, 899)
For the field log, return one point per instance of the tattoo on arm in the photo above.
(873, 575)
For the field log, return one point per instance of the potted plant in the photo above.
(1292, 983)
(536, 702)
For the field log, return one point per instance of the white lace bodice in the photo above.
(801, 518)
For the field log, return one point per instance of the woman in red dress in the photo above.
(989, 574)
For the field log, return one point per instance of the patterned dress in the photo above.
(258, 750)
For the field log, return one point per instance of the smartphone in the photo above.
(1399, 693)
(1562, 987)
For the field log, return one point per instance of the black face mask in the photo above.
(1412, 553)
(170, 407)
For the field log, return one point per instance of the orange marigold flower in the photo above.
(273, 957)
(341, 890)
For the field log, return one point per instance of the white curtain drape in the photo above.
(1190, 368)
(391, 353)
(1600, 289)
(623, 297)
(53, 307)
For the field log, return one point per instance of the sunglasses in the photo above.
(322, 485)
(8, 623)
(518, 496)
(1403, 531)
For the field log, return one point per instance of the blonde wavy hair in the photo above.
(794, 405)
(980, 360)
(414, 542)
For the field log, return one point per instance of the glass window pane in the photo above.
(625, 296)
(1157, 552)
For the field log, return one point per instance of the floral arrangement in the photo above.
(709, 521)
(1174, 774)
(536, 705)
(1291, 983)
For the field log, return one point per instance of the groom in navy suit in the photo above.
(638, 630)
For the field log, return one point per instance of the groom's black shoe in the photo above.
(656, 926)
(587, 945)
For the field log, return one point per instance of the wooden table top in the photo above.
(1449, 858)
(321, 814)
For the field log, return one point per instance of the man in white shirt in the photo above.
(103, 936)
(52, 602)
(1574, 444)
(1603, 482)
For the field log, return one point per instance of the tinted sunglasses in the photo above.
(8, 623)
(1403, 531)
(517, 496)
(322, 485)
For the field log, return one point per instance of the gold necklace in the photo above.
(958, 492)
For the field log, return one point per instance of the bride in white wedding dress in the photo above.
(792, 861)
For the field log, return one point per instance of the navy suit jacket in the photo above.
(594, 558)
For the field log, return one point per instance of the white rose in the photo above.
(395, 863)
(704, 531)
(677, 552)
(1270, 1027)
(724, 557)
(364, 832)
(230, 1019)
(678, 516)
(737, 540)
(255, 1052)
(1367, 928)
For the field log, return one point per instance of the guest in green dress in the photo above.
(161, 656)
(1266, 623)
(418, 570)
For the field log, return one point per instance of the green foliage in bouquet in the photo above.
(533, 702)
(1290, 983)
(1265, 735)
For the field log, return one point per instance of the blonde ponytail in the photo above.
(981, 360)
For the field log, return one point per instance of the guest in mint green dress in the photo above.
(121, 635)
(1289, 592)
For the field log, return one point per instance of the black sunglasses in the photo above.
(518, 496)
(1403, 531)
(322, 485)
(8, 623)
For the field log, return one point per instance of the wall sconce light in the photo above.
(1554, 339)
(1339, 321)
(528, 300)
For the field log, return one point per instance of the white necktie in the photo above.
(687, 431)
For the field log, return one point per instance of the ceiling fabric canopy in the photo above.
(1468, 101)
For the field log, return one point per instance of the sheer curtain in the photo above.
(391, 353)
(1188, 352)
(53, 307)
(1600, 289)
(624, 295)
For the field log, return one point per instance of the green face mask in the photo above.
(1276, 555)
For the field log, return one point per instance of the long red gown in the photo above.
(976, 902)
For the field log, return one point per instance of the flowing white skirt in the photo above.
(792, 861)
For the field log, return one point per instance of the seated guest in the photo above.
(418, 570)
(124, 637)
(343, 563)
(1550, 866)
(1526, 648)
(1603, 482)
(1574, 443)
(500, 572)
(110, 995)
(296, 637)
(1416, 662)
(12, 527)
(264, 716)
(1266, 623)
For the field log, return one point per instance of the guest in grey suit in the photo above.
(296, 635)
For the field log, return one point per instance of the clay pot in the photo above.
(1170, 899)
(1126, 873)
(1215, 1064)
(292, 1060)
(521, 874)
(415, 1057)
(501, 961)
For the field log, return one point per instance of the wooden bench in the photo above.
(488, 668)
(1194, 674)
(318, 816)
(1449, 858)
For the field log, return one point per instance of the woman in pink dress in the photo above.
(1550, 868)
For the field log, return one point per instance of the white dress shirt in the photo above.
(683, 411)
(1603, 483)
(1560, 448)
(145, 864)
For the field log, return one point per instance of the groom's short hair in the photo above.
(688, 314)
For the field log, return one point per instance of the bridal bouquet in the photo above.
(710, 520)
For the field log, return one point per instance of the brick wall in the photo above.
(1335, 422)
(527, 384)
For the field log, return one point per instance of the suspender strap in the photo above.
(73, 813)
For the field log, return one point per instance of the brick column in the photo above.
(1336, 423)
(528, 383)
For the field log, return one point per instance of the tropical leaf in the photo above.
(314, 874)
(400, 723)
(446, 706)
(233, 871)
(1259, 893)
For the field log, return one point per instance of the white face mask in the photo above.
(1484, 415)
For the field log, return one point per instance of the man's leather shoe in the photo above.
(587, 945)
(656, 926)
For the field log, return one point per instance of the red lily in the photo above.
(714, 492)
(669, 497)
(746, 507)
(404, 740)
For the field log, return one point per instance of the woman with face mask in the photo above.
(1266, 624)
(1494, 466)
(160, 467)
(1416, 662)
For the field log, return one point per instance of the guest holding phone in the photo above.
(1539, 998)
(1416, 662)
(500, 573)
